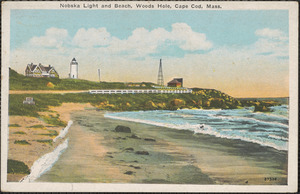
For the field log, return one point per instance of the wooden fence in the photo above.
(185, 91)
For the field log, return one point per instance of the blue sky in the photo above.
(222, 46)
(221, 27)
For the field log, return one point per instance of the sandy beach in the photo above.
(30, 137)
(151, 154)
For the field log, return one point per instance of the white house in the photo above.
(40, 71)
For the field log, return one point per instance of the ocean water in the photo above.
(267, 129)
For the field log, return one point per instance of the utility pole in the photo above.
(99, 74)
(160, 79)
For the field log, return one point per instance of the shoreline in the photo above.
(30, 138)
(175, 156)
(190, 153)
(153, 123)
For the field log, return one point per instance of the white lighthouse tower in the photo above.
(73, 69)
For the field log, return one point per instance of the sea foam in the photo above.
(63, 132)
(44, 163)
(221, 133)
(253, 120)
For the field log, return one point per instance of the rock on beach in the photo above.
(124, 129)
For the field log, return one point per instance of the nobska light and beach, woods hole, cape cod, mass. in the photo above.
(139, 5)
(187, 93)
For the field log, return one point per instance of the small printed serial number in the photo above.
(270, 179)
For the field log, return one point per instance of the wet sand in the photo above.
(98, 154)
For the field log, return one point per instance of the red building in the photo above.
(176, 82)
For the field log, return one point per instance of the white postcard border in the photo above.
(97, 187)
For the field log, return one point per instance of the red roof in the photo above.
(174, 81)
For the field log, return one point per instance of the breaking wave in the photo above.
(63, 132)
(44, 163)
(242, 124)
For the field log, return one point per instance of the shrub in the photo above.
(15, 166)
(177, 102)
(50, 85)
(150, 105)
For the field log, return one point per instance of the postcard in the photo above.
(157, 96)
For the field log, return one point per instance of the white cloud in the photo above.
(271, 34)
(274, 48)
(143, 42)
(188, 39)
(97, 48)
(272, 42)
(91, 37)
(54, 37)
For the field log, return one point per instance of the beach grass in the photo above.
(14, 125)
(47, 141)
(20, 132)
(22, 142)
(15, 166)
(36, 126)
(52, 133)
(53, 120)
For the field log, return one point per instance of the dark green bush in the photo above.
(22, 142)
(15, 166)
(14, 125)
(20, 132)
(36, 126)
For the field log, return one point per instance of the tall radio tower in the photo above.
(160, 79)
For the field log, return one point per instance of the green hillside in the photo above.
(123, 102)
(21, 82)
(198, 99)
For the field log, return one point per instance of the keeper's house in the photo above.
(176, 82)
(40, 71)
